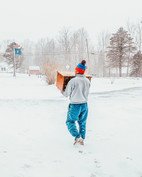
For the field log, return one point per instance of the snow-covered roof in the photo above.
(34, 68)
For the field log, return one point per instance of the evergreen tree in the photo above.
(121, 45)
(136, 67)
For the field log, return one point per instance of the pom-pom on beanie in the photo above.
(80, 68)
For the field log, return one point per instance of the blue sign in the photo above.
(18, 51)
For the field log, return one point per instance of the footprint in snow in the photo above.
(129, 158)
(26, 166)
(97, 163)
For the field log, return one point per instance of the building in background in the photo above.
(34, 70)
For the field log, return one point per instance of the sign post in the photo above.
(16, 51)
(14, 64)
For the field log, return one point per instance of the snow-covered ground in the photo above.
(34, 141)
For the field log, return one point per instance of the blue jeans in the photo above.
(79, 113)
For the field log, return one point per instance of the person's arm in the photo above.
(68, 89)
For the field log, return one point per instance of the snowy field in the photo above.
(34, 141)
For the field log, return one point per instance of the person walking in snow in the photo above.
(77, 90)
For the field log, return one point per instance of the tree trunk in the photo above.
(120, 69)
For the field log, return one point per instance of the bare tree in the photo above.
(40, 51)
(75, 47)
(131, 28)
(45, 58)
(139, 36)
(28, 54)
(64, 42)
(103, 42)
(64, 39)
(82, 45)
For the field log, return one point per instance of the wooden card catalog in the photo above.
(64, 77)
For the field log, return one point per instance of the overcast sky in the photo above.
(23, 19)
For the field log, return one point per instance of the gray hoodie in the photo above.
(77, 89)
